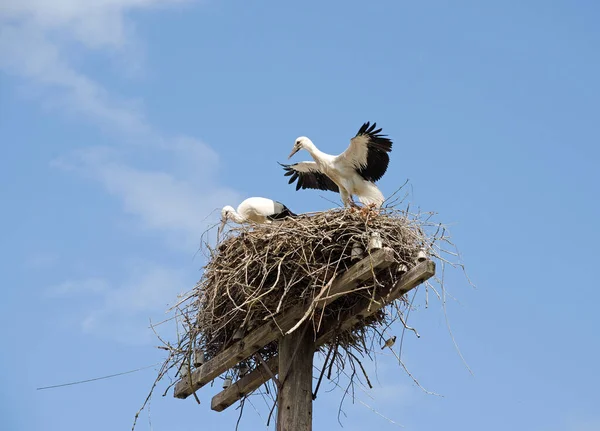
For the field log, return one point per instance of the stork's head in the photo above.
(301, 144)
(225, 215)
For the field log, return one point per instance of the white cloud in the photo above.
(41, 43)
(95, 23)
(122, 310)
(28, 53)
(37, 37)
(173, 202)
(176, 202)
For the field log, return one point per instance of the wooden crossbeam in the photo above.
(269, 332)
(361, 271)
(239, 351)
(366, 307)
(248, 383)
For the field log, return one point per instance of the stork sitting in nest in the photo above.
(256, 210)
(354, 172)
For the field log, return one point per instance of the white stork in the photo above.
(353, 172)
(257, 210)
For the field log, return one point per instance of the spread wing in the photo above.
(368, 152)
(309, 177)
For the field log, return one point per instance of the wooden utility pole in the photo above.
(294, 400)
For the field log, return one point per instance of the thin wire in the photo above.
(98, 378)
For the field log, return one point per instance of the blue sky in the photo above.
(125, 123)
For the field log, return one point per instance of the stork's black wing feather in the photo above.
(284, 213)
(309, 177)
(378, 147)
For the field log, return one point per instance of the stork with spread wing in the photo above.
(354, 172)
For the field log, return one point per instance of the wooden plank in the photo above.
(269, 332)
(361, 271)
(245, 385)
(417, 275)
(365, 308)
(294, 400)
(239, 351)
(248, 383)
(422, 272)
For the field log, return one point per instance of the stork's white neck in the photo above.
(236, 217)
(316, 154)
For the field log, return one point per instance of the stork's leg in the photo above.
(346, 198)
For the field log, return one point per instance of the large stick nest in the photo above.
(257, 272)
